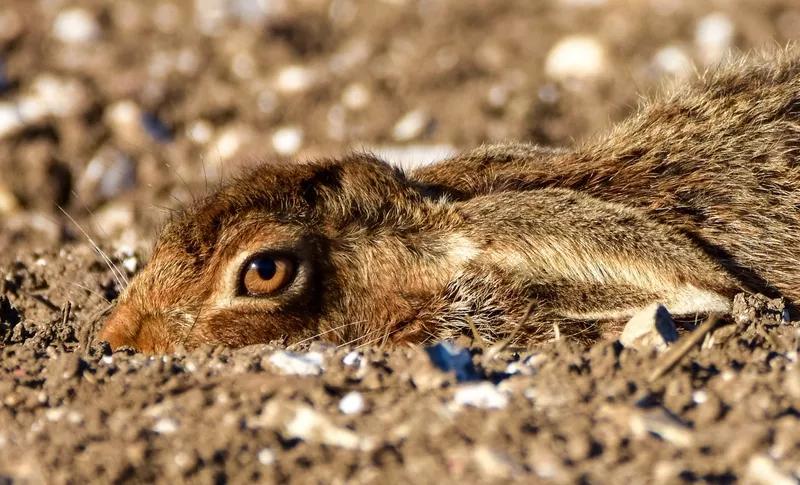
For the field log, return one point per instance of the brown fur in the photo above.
(691, 200)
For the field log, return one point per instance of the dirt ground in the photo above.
(120, 111)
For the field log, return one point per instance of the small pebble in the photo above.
(266, 457)
(183, 460)
(131, 264)
(714, 37)
(484, 395)
(305, 423)
(497, 96)
(200, 132)
(294, 79)
(59, 96)
(108, 174)
(10, 119)
(763, 470)
(76, 25)
(674, 61)
(55, 414)
(651, 327)
(353, 359)
(165, 426)
(8, 202)
(356, 97)
(229, 141)
(293, 363)
(352, 403)
(287, 140)
(156, 128)
(662, 424)
(411, 125)
(576, 57)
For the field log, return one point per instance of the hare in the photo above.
(690, 201)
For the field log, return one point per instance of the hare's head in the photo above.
(288, 252)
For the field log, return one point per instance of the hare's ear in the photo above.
(591, 259)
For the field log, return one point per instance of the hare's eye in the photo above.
(266, 274)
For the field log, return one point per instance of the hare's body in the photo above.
(691, 200)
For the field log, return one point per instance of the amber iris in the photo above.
(266, 274)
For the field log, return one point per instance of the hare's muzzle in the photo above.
(145, 333)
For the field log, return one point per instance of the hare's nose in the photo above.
(145, 333)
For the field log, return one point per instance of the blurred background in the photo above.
(119, 111)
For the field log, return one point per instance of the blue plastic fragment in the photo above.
(156, 128)
(5, 82)
(449, 357)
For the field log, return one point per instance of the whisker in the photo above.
(97, 227)
(182, 180)
(118, 275)
(94, 292)
(360, 337)
(391, 331)
(164, 208)
(320, 334)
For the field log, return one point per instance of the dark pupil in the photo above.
(265, 268)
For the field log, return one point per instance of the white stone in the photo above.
(673, 60)
(651, 327)
(293, 363)
(61, 97)
(165, 426)
(74, 417)
(411, 125)
(352, 403)
(10, 119)
(699, 396)
(353, 359)
(356, 96)
(576, 57)
(714, 37)
(309, 425)
(200, 132)
(76, 25)
(55, 414)
(131, 264)
(527, 366)
(287, 140)
(228, 142)
(108, 174)
(266, 457)
(484, 395)
(660, 423)
(761, 469)
(124, 115)
(294, 79)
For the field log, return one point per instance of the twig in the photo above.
(476, 335)
(65, 312)
(500, 346)
(674, 355)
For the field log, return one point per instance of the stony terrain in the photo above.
(112, 114)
